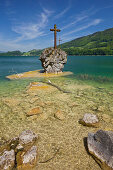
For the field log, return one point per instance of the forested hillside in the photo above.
(99, 43)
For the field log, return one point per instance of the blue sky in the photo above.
(25, 24)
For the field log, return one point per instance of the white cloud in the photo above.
(93, 23)
(62, 13)
(83, 15)
(48, 12)
(78, 19)
(28, 31)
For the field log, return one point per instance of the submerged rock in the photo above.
(53, 60)
(19, 152)
(34, 111)
(27, 138)
(27, 160)
(26, 156)
(59, 115)
(100, 145)
(7, 160)
(89, 120)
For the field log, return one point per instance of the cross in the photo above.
(59, 41)
(55, 33)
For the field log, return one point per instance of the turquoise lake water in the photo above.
(90, 65)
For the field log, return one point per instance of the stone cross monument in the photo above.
(53, 59)
(55, 35)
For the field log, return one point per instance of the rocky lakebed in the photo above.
(57, 124)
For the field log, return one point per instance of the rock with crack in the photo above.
(7, 160)
(27, 159)
(19, 152)
(26, 152)
(90, 120)
(53, 60)
(100, 145)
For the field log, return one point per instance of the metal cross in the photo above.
(59, 41)
(55, 33)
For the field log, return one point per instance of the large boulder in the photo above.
(53, 60)
(100, 145)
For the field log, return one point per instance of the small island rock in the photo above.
(53, 60)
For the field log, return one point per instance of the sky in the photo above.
(26, 24)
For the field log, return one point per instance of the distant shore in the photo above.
(39, 55)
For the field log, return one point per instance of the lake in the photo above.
(90, 65)
(53, 114)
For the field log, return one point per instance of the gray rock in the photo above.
(27, 137)
(53, 60)
(19, 150)
(89, 120)
(100, 145)
(30, 155)
(7, 160)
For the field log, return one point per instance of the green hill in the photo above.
(19, 53)
(34, 52)
(99, 43)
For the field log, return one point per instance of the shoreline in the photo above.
(39, 55)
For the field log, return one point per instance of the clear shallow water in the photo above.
(90, 65)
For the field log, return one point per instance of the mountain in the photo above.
(19, 53)
(99, 43)
(11, 53)
(33, 52)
